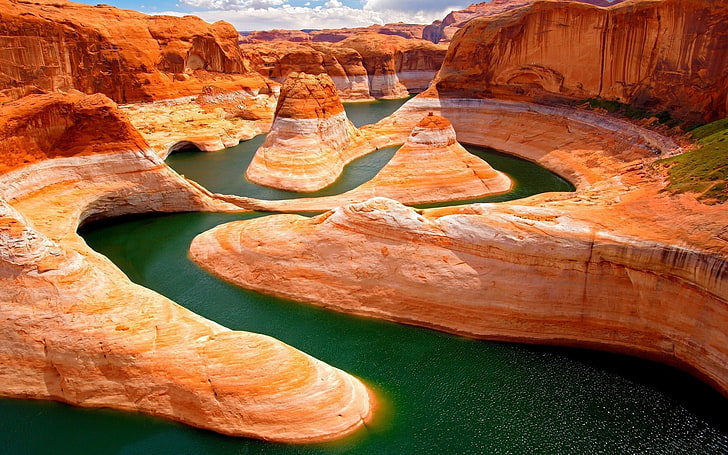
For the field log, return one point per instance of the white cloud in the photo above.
(297, 18)
(414, 6)
(248, 15)
(232, 4)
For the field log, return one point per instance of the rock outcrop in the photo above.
(327, 35)
(128, 56)
(396, 66)
(344, 65)
(75, 329)
(600, 267)
(432, 166)
(364, 65)
(304, 148)
(658, 55)
(442, 31)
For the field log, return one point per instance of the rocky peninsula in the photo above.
(620, 264)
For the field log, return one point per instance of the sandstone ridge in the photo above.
(75, 329)
(659, 55)
(128, 56)
(595, 268)
(304, 148)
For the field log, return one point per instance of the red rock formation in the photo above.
(442, 31)
(40, 127)
(333, 35)
(75, 329)
(303, 151)
(344, 65)
(396, 66)
(670, 54)
(128, 56)
(616, 265)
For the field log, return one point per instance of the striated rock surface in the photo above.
(396, 66)
(75, 329)
(128, 56)
(362, 66)
(410, 31)
(304, 148)
(617, 265)
(442, 31)
(344, 65)
(658, 55)
(432, 166)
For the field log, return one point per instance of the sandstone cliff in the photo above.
(75, 329)
(362, 66)
(333, 35)
(442, 31)
(616, 265)
(669, 54)
(303, 150)
(344, 65)
(396, 66)
(128, 56)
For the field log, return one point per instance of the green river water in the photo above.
(441, 394)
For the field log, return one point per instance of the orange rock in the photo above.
(596, 268)
(128, 56)
(654, 54)
(442, 31)
(303, 150)
(75, 329)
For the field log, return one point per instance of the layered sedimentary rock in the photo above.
(658, 55)
(396, 66)
(213, 120)
(344, 65)
(128, 56)
(304, 148)
(410, 31)
(362, 66)
(596, 268)
(432, 166)
(75, 329)
(442, 31)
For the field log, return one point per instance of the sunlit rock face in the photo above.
(127, 56)
(75, 329)
(396, 66)
(655, 54)
(303, 151)
(442, 31)
(432, 166)
(344, 65)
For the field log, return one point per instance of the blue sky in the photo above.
(297, 14)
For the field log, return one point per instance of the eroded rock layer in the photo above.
(303, 150)
(599, 267)
(128, 56)
(669, 54)
(75, 329)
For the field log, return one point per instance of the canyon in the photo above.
(619, 264)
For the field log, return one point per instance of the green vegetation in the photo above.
(631, 112)
(703, 171)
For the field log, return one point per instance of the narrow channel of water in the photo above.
(442, 394)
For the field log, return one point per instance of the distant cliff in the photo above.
(661, 55)
(125, 55)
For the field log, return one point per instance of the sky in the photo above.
(247, 15)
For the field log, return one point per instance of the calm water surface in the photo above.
(441, 394)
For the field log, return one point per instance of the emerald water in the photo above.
(441, 394)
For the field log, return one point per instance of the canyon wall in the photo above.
(657, 54)
(127, 56)
(304, 148)
(363, 65)
(442, 31)
(76, 330)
